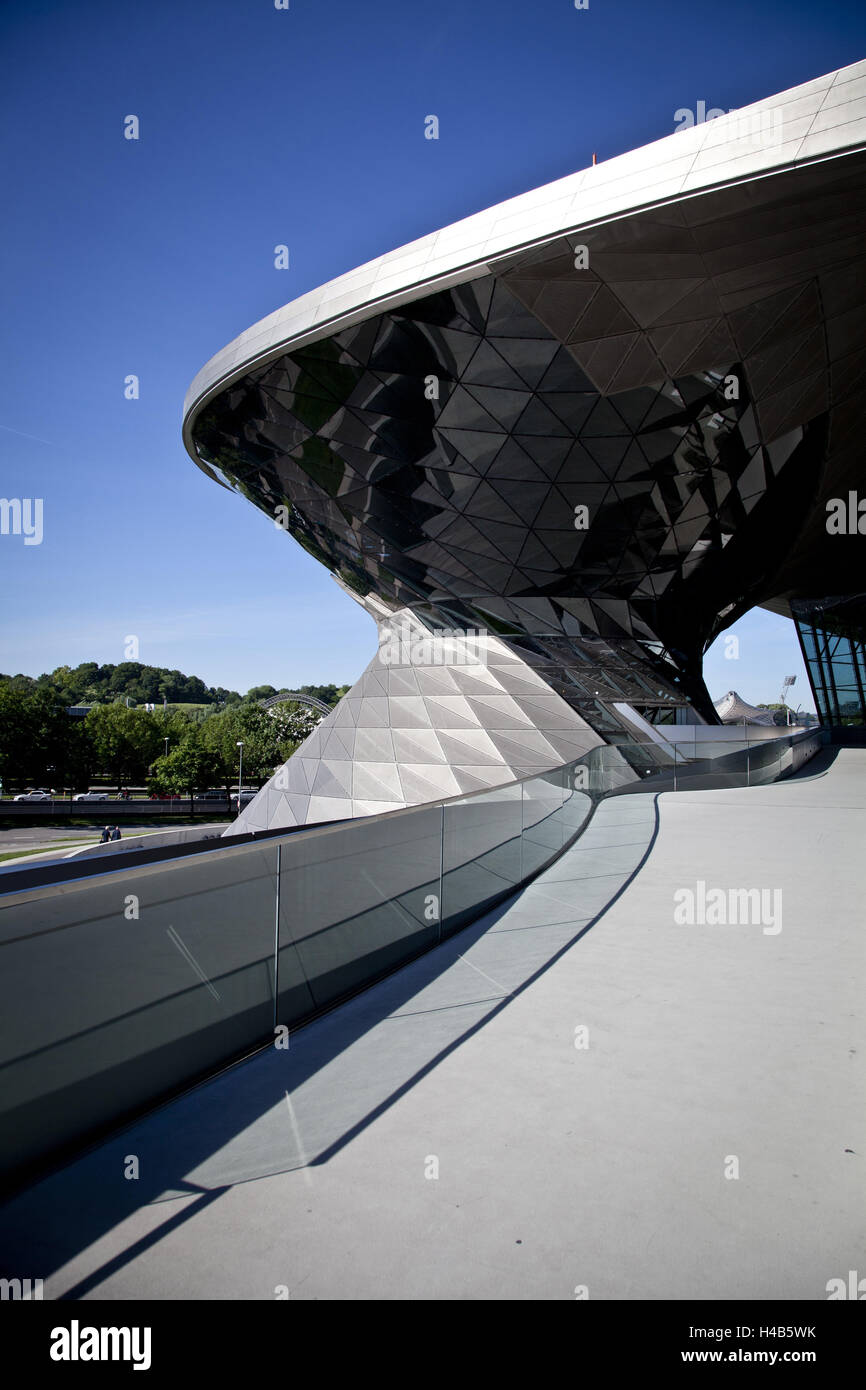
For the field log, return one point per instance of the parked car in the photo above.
(92, 796)
(33, 796)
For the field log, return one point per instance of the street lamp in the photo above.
(240, 773)
(786, 686)
(166, 747)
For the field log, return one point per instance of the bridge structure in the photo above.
(298, 697)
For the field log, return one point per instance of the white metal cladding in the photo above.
(434, 715)
(804, 124)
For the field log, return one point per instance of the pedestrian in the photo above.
(106, 834)
(115, 834)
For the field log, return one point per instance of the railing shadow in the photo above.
(352, 902)
(296, 1108)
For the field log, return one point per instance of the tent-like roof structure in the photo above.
(733, 709)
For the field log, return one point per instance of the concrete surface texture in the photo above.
(577, 1094)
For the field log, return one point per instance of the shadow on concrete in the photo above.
(818, 766)
(288, 1109)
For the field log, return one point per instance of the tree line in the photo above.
(90, 683)
(173, 752)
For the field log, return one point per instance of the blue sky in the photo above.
(302, 127)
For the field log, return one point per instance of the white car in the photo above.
(92, 796)
(34, 796)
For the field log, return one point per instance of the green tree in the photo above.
(225, 697)
(78, 768)
(34, 736)
(330, 694)
(14, 718)
(19, 682)
(189, 768)
(125, 741)
(261, 735)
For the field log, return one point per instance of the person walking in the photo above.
(115, 834)
(106, 834)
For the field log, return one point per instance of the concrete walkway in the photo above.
(711, 1050)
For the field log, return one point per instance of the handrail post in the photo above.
(441, 869)
(522, 786)
(277, 936)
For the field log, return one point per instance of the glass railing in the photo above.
(124, 984)
(744, 758)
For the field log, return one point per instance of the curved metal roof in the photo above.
(803, 125)
(733, 709)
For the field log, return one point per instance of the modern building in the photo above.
(583, 431)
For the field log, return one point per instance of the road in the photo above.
(21, 839)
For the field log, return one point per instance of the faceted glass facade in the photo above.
(833, 640)
(603, 457)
